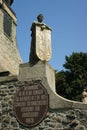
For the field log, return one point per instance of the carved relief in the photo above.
(43, 44)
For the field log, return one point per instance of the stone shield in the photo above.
(43, 43)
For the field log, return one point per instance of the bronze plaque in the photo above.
(31, 103)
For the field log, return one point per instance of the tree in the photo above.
(71, 81)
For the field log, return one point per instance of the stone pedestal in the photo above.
(40, 71)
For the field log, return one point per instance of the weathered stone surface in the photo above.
(59, 119)
(42, 71)
(37, 72)
(9, 55)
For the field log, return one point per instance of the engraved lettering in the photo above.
(43, 97)
(29, 120)
(31, 104)
(36, 103)
(26, 109)
(37, 108)
(17, 99)
(20, 104)
(31, 88)
(36, 92)
(30, 114)
(25, 93)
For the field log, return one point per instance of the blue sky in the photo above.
(68, 20)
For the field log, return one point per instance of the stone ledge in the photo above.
(8, 78)
(9, 10)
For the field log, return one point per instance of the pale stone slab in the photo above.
(43, 42)
(39, 71)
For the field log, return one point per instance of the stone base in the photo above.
(39, 71)
(43, 72)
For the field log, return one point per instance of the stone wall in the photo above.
(59, 119)
(9, 54)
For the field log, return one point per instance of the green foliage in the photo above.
(71, 82)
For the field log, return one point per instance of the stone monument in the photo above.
(9, 55)
(37, 81)
(35, 73)
(40, 54)
(41, 41)
(29, 100)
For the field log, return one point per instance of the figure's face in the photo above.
(40, 18)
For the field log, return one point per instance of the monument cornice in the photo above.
(8, 10)
(42, 24)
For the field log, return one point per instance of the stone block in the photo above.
(39, 71)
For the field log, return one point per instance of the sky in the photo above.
(68, 20)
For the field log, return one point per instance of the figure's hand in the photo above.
(43, 27)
